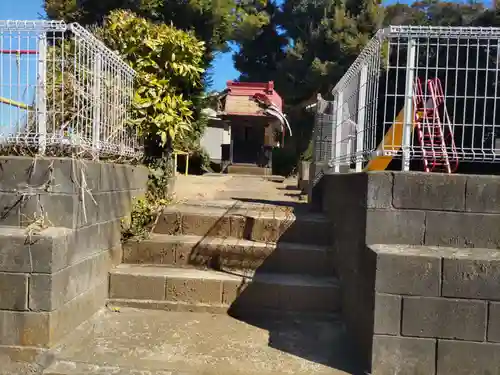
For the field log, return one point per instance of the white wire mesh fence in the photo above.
(423, 98)
(63, 92)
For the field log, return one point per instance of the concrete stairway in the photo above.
(248, 169)
(215, 256)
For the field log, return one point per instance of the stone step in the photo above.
(248, 169)
(264, 223)
(229, 253)
(64, 367)
(184, 289)
(267, 177)
(249, 204)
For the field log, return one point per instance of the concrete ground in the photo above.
(156, 342)
(223, 186)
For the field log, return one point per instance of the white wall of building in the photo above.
(213, 139)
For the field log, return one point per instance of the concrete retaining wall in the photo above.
(59, 237)
(461, 211)
(435, 311)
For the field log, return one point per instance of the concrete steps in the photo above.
(229, 253)
(248, 169)
(263, 223)
(176, 289)
(215, 256)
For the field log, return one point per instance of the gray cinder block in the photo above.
(494, 322)
(466, 358)
(395, 227)
(483, 194)
(429, 191)
(379, 190)
(462, 230)
(472, 278)
(387, 319)
(403, 356)
(407, 271)
(444, 318)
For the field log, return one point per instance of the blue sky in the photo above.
(10, 66)
(32, 9)
(24, 9)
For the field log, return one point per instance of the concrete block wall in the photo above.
(461, 211)
(421, 208)
(54, 276)
(72, 194)
(436, 310)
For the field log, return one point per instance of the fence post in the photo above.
(316, 130)
(408, 106)
(360, 135)
(41, 94)
(96, 123)
(338, 129)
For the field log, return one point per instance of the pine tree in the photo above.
(260, 54)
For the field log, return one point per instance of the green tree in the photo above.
(169, 63)
(259, 54)
(434, 13)
(213, 21)
(306, 48)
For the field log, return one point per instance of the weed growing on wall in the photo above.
(141, 220)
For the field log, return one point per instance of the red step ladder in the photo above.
(435, 136)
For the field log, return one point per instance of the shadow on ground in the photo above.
(320, 341)
(314, 336)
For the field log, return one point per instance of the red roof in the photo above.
(252, 88)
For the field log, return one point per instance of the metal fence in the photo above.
(422, 98)
(63, 92)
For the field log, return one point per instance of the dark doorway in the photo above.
(247, 142)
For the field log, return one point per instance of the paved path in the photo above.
(236, 187)
(157, 342)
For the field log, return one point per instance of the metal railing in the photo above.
(423, 98)
(63, 92)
